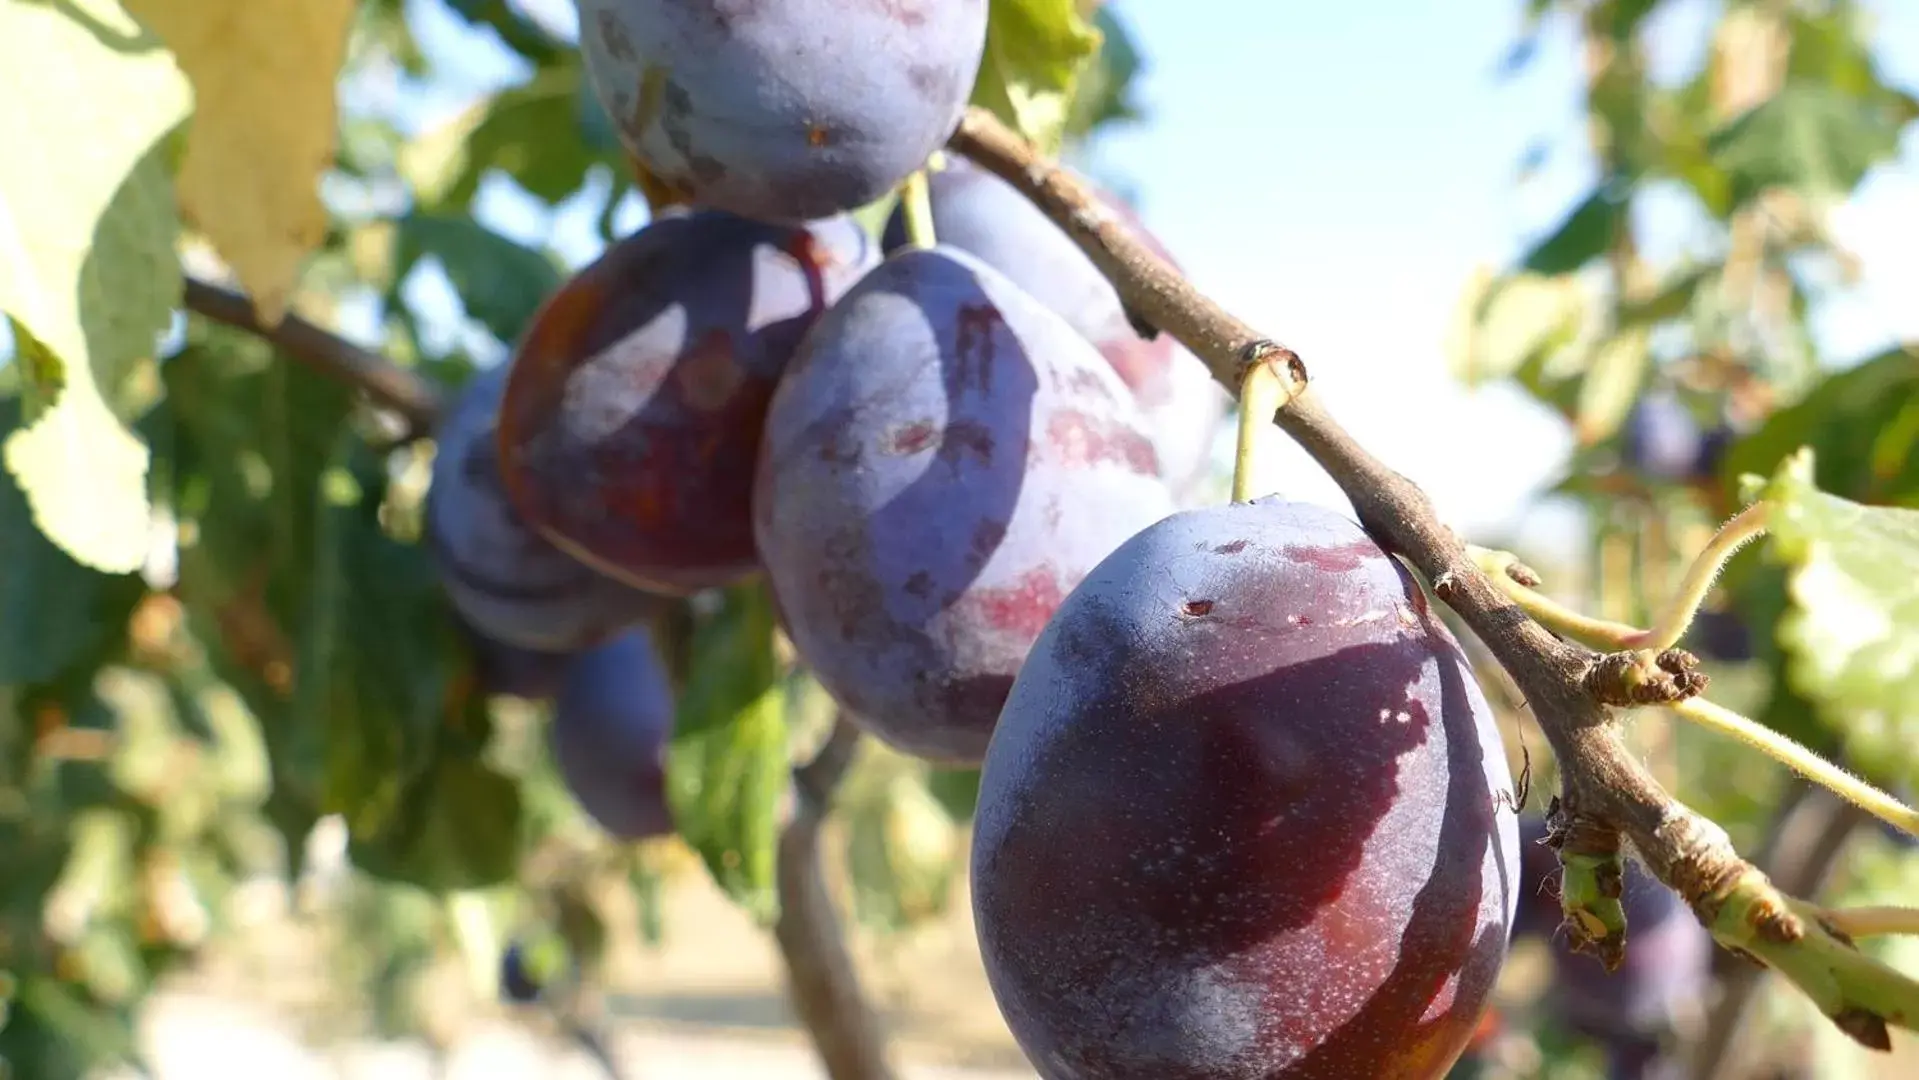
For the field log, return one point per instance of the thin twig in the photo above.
(1601, 777)
(409, 393)
(822, 983)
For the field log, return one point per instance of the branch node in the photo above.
(1642, 677)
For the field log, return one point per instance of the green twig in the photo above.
(1733, 535)
(1263, 391)
(1584, 629)
(1862, 922)
(916, 205)
(1801, 760)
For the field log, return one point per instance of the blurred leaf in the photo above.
(516, 30)
(500, 282)
(1853, 630)
(456, 827)
(956, 789)
(55, 614)
(903, 851)
(1862, 424)
(727, 766)
(533, 133)
(1673, 299)
(1809, 137)
(53, 1032)
(1586, 233)
(248, 438)
(1504, 323)
(87, 268)
(1104, 95)
(1035, 51)
(1611, 384)
(263, 129)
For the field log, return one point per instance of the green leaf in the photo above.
(55, 614)
(1852, 633)
(1104, 95)
(1811, 137)
(903, 851)
(1585, 234)
(1673, 299)
(1614, 374)
(457, 827)
(728, 764)
(87, 267)
(1035, 51)
(1506, 323)
(956, 789)
(502, 283)
(546, 133)
(1862, 424)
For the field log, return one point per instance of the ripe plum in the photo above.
(782, 110)
(506, 582)
(977, 212)
(943, 462)
(611, 724)
(1241, 818)
(632, 421)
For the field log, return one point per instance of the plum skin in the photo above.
(943, 461)
(978, 212)
(631, 424)
(506, 583)
(1241, 815)
(611, 722)
(782, 110)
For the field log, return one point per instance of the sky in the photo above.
(1334, 173)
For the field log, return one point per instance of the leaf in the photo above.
(501, 283)
(1585, 234)
(87, 269)
(1104, 94)
(903, 852)
(1035, 51)
(956, 789)
(1611, 384)
(539, 133)
(1862, 425)
(264, 78)
(1673, 299)
(727, 766)
(1504, 323)
(1852, 633)
(55, 614)
(1810, 137)
(458, 827)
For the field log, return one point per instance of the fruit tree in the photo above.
(862, 470)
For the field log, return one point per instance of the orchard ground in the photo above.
(706, 1004)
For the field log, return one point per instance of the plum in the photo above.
(1241, 818)
(632, 421)
(977, 212)
(533, 674)
(504, 581)
(943, 462)
(782, 110)
(611, 723)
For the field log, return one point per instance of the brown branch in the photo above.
(1602, 778)
(409, 393)
(822, 984)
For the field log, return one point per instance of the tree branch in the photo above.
(822, 984)
(406, 392)
(1602, 778)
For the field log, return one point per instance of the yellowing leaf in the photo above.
(87, 269)
(263, 74)
(1035, 51)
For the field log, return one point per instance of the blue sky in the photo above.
(1333, 173)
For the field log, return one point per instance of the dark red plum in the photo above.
(943, 462)
(977, 212)
(611, 724)
(1242, 816)
(504, 580)
(782, 110)
(632, 422)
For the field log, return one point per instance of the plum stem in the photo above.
(1263, 392)
(822, 983)
(1801, 760)
(1862, 922)
(916, 207)
(1744, 526)
(406, 392)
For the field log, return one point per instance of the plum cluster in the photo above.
(1239, 813)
